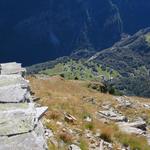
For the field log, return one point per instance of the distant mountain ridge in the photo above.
(36, 31)
(47, 29)
(129, 58)
(134, 14)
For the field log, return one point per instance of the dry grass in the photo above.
(67, 96)
(135, 143)
(66, 137)
(55, 115)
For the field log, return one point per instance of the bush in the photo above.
(106, 137)
(66, 137)
(53, 115)
(89, 126)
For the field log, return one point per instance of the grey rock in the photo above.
(6, 80)
(11, 68)
(14, 93)
(69, 118)
(132, 128)
(88, 119)
(28, 141)
(49, 133)
(20, 125)
(74, 147)
(146, 106)
(15, 120)
(111, 115)
(123, 101)
(40, 111)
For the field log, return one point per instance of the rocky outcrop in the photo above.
(111, 115)
(20, 125)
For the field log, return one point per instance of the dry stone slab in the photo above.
(20, 125)
(17, 118)
(111, 115)
(11, 68)
(132, 128)
(28, 141)
(40, 111)
(14, 94)
(6, 80)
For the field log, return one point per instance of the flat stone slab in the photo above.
(11, 68)
(17, 118)
(40, 111)
(7, 80)
(132, 128)
(14, 94)
(28, 141)
(20, 125)
(108, 114)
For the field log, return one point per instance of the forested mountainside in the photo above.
(127, 62)
(130, 57)
(43, 30)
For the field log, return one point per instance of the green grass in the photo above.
(147, 38)
(80, 71)
(135, 143)
(83, 144)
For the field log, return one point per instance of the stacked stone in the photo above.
(20, 125)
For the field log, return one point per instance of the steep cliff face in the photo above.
(134, 14)
(50, 28)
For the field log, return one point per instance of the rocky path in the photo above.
(20, 125)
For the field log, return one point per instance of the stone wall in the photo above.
(20, 125)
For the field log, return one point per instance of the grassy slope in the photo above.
(80, 70)
(62, 95)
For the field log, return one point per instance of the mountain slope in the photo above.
(128, 54)
(126, 62)
(130, 57)
(134, 14)
(48, 29)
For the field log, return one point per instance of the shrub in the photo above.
(53, 115)
(89, 126)
(106, 137)
(66, 137)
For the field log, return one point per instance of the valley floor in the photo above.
(83, 118)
